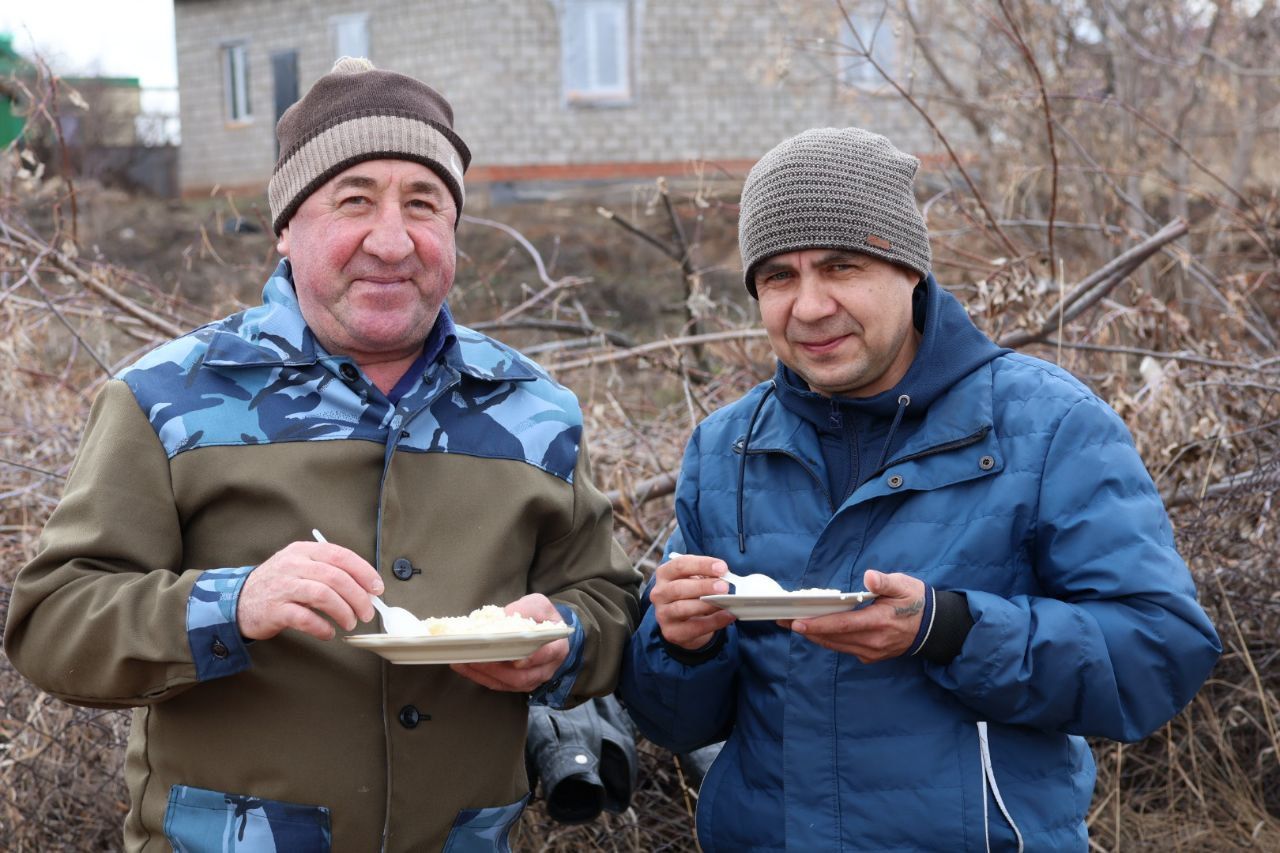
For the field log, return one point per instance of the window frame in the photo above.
(590, 91)
(236, 91)
(337, 22)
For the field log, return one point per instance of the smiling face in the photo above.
(373, 259)
(841, 320)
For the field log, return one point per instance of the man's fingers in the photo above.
(503, 676)
(305, 620)
(835, 623)
(687, 589)
(697, 631)
(893, 585)
(552, 653)
(349, 562)
(534, 606)
(353, 594)
(686, 566)
(518, 676)
(321, 584)
(679, 584)
(684, 610)
(713, 622)
(683, 618)
(473, 672)
(323, 599)
(870, 634)
(274, 597)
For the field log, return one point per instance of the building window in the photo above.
(594, 49)
(862, 34)
(235, 80)
(350, 35)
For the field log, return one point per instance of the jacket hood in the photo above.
(951, 347)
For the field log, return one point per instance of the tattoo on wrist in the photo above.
(909, 609)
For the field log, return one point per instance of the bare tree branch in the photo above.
(937, 132)
(622, 223)
(645, 490)
(1098, 284)
(1259, 367)
(92, 282)
(1016, 35)
(657, 346)
(615, 338)
(30, 275)
(538, 263)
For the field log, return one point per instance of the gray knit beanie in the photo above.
(355, 113)
(832, 188)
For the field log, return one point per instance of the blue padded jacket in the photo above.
(1017, 487)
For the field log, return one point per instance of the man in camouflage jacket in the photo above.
(178, 575)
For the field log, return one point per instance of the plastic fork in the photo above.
(753, 584)
(395, 620)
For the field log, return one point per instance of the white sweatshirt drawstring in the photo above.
(989, 776)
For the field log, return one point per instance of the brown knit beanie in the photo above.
(355, 113)
(832, 188)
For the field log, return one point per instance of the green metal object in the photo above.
(12, 66)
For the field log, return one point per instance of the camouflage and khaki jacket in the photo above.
(219, 448)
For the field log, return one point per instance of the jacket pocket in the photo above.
(484, 830)
(198, 820)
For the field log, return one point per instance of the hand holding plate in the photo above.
(678, 586)
(529, 673)
(878, 632)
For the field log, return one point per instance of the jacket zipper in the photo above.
(940, 448)
(835, 419)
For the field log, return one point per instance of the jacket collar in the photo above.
(963, 411)
(274, 334)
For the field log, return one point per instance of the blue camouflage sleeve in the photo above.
(557, 689)
(216, 645)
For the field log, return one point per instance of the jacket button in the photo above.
(220, 649)
(410, 717)
(895, 481)
(349, 372)
(403, 569)
(986, 463)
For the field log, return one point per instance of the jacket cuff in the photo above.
(945, 625)
(693, 657)
(212, 631)
(555, 691)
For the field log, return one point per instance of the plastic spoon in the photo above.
(754, 584)
(395, 620)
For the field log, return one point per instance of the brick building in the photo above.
(546, 89)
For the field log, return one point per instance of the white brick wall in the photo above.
(704, 80)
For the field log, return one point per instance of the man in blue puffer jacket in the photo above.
(1029, 591)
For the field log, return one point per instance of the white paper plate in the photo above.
(789, 605)
(458, 648)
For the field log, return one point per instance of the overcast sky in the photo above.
(131, 39)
